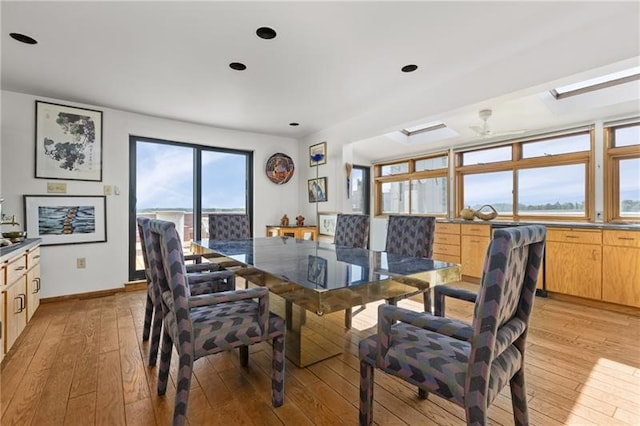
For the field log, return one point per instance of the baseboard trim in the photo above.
(629, 310)
(130, 286)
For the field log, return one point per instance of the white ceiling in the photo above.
(331, 62)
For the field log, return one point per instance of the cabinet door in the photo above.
(574, 269)
(472, 253)
(16, 312)
(621, 275)
(33, 290)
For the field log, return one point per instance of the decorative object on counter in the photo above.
(279, 168)
(62, 219)
(318, 154)
(68, 142)
(300, 220)
(15, 236)
(486, 216)
(467, 213)
(347, 168)
(284, 220)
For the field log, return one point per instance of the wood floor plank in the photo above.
(83, 362)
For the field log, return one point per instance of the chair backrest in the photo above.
(229, 227)
(505, 299)
(410, 235)
(171, 280)
(352, 230)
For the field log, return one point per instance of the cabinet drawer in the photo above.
(447, 239)
(447, 228)
(448, 249)
(478, 230)
(566, 235)
(621, 238)
(33, 257)
(16, 269)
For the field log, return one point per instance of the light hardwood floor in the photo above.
(82, 362)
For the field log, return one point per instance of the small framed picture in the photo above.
(319, 153)
(62, 219)
(327, 223)
(317, 190)
(68, 142)
(317, 270)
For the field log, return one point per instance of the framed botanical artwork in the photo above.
(68, 142)
(66, 219)
(317, 270)
(327, 223)
(317, 190)
(318, 154)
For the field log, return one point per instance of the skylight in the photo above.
(597, 83)
(428, 127)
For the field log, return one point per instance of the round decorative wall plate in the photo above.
(279, 168)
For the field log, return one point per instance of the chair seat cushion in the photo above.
(229, 325)
(434, 362)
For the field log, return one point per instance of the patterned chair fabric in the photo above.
(209, 323)
(471, 369)
(203, 278)
(412, 236)
(352, 230)
(229, 227)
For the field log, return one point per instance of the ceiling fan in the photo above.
(485, 131)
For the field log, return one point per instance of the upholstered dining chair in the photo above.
(352, 230)
(206, 324)
(229, 227)
(412, 236)
(467, 364)
(203, 278)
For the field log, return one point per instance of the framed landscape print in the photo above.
(68, 142)
(62, 219)
(317, 190)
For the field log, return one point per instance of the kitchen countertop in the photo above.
(586, 225)
(7, 252)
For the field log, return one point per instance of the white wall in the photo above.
(107, 263)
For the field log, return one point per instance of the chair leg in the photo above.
(277, 372)
(148, 314)
(182, 389)
(422, 394)
(366, 394)
(165, 362)
(156, 330)
(348, 316)
(519, 398)
(427, 300)
(439, 305)
(244, 355)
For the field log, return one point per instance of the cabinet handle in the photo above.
(626, 238)
(19, 268)
(571, 236)
(36, 256)
(595, 254)
(21, 298)
(38, 285)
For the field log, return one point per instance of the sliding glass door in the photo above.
(184, 183)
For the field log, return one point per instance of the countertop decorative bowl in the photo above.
(15, 236)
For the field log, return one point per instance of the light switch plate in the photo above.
(56, 187)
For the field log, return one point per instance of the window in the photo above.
(417, 186)
(622, 200)
(542, 178)
(359, 191)
(182, 182)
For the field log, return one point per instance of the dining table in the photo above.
(310, 282)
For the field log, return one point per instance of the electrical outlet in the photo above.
(107, 190)
(81, 263)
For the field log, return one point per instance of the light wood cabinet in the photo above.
(33, 281)
(446, 243)
(474, 240)
(299, 232)
(574, 262)
(621, 267)
(15, 301)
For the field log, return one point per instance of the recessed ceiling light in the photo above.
(266, 33)
(23, 38)
(238, 66)
(294, 124)
(409, 68)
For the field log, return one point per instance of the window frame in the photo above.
(518, 163)
(410, 176)
(613, 155)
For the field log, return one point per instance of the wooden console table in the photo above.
(299, 232)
